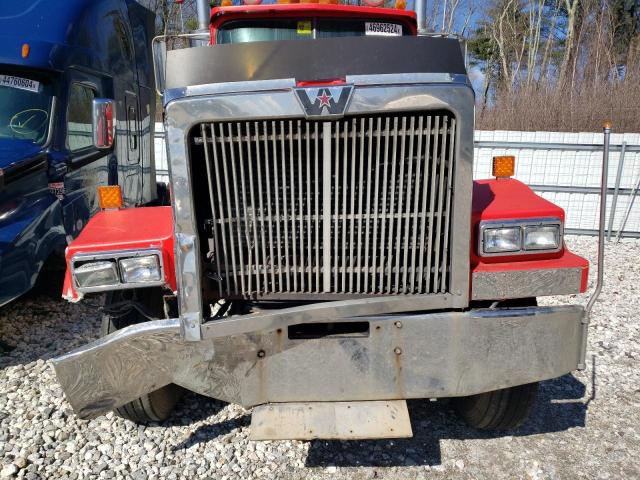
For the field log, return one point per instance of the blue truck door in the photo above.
(87, 167)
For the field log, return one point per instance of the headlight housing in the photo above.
(520, 237)
(541, 237)
(97, 274)
(140, 269)
(501, 239)
(117, 270)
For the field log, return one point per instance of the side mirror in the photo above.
(103, 123)
(159, 49)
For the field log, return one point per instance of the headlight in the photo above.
(97, 274)
(498, 240)
(542, 237)
(520, 237)
(140, 269)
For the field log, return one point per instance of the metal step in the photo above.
(331, 420)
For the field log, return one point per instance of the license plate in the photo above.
(383, 29)
(20, 83)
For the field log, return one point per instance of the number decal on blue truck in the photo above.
(20, 83)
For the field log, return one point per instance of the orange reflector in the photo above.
(504, 166)
(25, 50)
(110, 197)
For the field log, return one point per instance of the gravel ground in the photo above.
(585, 425)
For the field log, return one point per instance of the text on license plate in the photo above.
(385, 29)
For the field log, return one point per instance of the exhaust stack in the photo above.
(204, 15)
(421, 14)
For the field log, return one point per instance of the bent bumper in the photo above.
(441, 354)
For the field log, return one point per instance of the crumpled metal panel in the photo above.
(404, 356)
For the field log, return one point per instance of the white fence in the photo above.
(562, 167)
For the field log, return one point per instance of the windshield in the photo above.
(26, 108)
(295, 29)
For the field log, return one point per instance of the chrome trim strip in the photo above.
(285, 84)
(228, 88)
(404, 79)
(117, 255)
(525, 283)
(258, 363)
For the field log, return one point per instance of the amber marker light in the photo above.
(26, 49)
(110, 197)
(504, 166)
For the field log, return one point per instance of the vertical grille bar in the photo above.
(285, 218)
(214, 215)
(425, 217)
(368, 215)
(392, 212)
(267, 167)
(432, 198)
(292, 183)
(343, 287)
(352, 194)
(437, 240)
(407, 219)
(326, 211)
(360, 212)
(247, 228)
(225, 251)
(276, 181)
(447, 216)
(358, 206)
(237, 206)
(420, 182)
(385, 186)
(403, 138)
(259, 179)
(376, 240)
(336, 212)
(309, 214)
(300, 212)
(252, 209)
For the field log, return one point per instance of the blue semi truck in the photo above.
(77, 108)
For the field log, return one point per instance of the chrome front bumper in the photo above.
(250, 360)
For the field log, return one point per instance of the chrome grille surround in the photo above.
(359, 206)
(275, 100)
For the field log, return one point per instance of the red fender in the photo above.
(129, 229)
(510, 199)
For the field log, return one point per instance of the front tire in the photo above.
(498, 410)
(157, 405)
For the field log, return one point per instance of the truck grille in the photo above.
(360, 206)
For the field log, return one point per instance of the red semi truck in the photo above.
(326, 254)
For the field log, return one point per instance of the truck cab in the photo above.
(327, 254)
(54, 70)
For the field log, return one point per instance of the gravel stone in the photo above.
(585, 425)
(8, 471)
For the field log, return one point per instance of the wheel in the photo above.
(501, 409)
(157, 405)
(498, 410)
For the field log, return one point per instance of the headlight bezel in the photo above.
(84, 258)
(523, 224)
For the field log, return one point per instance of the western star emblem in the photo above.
(324, 101)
